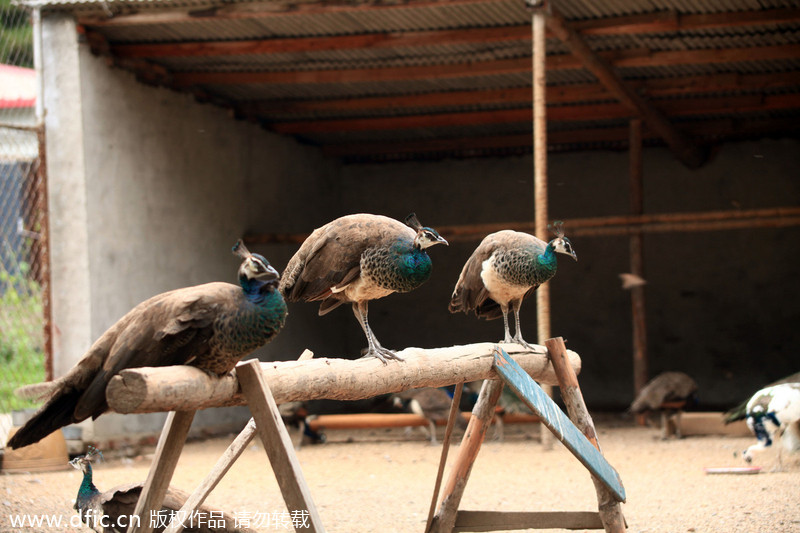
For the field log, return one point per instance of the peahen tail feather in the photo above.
(56, 413)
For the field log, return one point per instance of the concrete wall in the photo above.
(721, 306)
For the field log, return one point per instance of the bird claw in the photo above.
(382, 354)
(524, 343)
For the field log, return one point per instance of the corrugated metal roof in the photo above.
(735, 65)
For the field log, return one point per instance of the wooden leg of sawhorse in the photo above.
(480, 421)
(609, 507)
(221, 468)
(168, 451)
(278, 446)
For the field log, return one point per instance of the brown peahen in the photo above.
(112, 511)
(505, 268)
(668, 394)
(358, 258)
(210, 326)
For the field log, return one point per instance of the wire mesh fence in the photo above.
(23, 216)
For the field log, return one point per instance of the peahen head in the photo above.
(255, 270)
(425, 236)
(560, 243)
(84, 464)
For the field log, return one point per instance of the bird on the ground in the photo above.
(774, 412)
(505, 268)
(740, 411)
(669, 393)
(431, 403)
(113, 510)
(358, 258)
(210, 326)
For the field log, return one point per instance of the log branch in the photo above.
(147, 390)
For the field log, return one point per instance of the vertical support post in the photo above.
(168, 451)
(608, 506)
(278, 446)
(481, 419)
(539, 52)
(640, 371)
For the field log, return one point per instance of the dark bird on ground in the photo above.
(740, 411)
(431, 403)
(358, 258)
(113, 511)
(210, 326)
(504, 269)
(774, 412)
(669, 393)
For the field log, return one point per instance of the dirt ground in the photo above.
(371, 481)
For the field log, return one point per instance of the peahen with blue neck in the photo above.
(112, 511)
(210, 326)
(358, 258)
(505, 268)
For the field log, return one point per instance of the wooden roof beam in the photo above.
(725, 128)
(679, 107)
(627, 58)
(684, 149)
(649, 23)
(556, 94)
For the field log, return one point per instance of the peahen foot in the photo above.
(381, 353)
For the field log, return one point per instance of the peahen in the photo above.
(358, 258)
(740, 411)
(210, 326)
(669, 393)
(774, 411)
(112, 511)
(431, 403)
(505, 268)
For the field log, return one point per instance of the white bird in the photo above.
(774, 412)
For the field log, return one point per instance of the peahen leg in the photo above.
(507, 337)
(374, 348)
(516, 304)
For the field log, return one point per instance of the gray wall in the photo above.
(721, 306)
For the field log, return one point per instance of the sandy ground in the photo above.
(381, 481)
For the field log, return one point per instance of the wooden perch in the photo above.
(181, 388)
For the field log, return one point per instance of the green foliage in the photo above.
(21, 334)
(16, 35)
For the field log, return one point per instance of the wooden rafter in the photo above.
(556, 94)
(682, 147)
(620, 59)
(639, 24)
(680, 107)
(720, 129)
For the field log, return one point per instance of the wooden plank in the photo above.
(482, 415)
(223, 464)
(180, 387)
(278, 445)
(556, 421)
(168, 451)
(506, 521)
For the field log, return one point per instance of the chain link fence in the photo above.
(24, 290)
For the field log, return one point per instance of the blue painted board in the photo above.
(554, 418)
